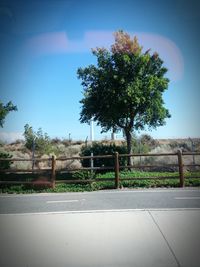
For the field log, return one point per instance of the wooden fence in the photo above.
(52, 171)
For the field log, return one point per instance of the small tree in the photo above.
(124, 91)
(4, 110)
(40, 140)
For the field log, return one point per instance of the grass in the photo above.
(103, 184)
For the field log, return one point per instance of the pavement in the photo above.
(151, 237)
(172, 198)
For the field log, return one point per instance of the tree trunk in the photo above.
(129, 146)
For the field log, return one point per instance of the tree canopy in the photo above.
(124, 91)
(4, 110)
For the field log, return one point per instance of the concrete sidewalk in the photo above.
(149, 238)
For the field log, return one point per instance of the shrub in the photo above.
(143, 144)
(66, 142)
(82, 175)
(2, 143)
(102, 149)
(5, 164)
(56, 141)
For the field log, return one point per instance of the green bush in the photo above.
(5, 164)
(101, 149)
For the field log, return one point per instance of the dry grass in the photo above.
(66, 148)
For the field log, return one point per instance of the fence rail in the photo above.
(53, 170)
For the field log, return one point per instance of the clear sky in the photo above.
(42, 44)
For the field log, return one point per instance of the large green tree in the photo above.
(124, 91)
(4, 110)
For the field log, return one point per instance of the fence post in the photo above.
(116, 170)
(53, 171)
(180, 166)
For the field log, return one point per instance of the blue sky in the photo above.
(43, 44)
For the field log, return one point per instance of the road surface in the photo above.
(101, 200)
(153, 228)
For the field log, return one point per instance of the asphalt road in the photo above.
(101, 200)
(119, 228)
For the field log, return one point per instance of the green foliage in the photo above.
(4, 110)
(40, 140)
(137, 174)
(100, 149)
(82, 175)
(29, 136)
(22, 189)
(124, 91)
(70, 188)
(190, 180)
(5, 164)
